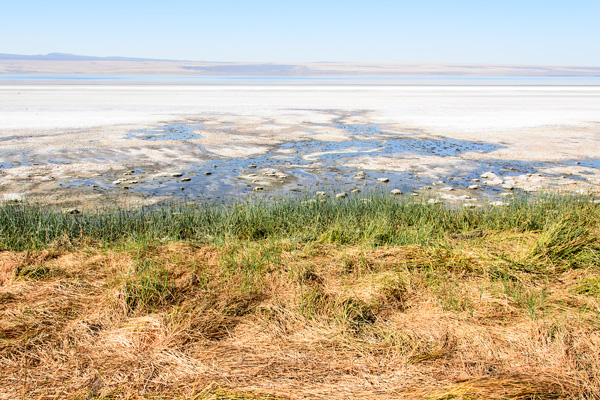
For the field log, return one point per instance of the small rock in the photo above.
(433, 201)
(469, 205)
(186, 179)
(414, 194)
(252, 166)
(355, 190)
(341, 195)
(465, 197)
(396, 192)
(258, 189)
(176, 174)
(447, 189)
(117, 182)
(383, 180)
(489, 175)
(474, 187)
(125, 187)
(446, 196)
(493, 182)
(508, 185)
(208, 173)
(360, 175)
(475, 180)
(182, 188)
(72, 211)
(497, 203)
(323, 194)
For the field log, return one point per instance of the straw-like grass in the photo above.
(374, 299)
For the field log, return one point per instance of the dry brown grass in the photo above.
(310, 322)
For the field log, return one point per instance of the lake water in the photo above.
(279, 80)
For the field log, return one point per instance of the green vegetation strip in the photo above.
(374, 219)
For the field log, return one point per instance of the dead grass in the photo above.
(277, 320)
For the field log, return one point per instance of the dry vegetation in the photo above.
(505, 313)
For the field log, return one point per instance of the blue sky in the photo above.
(456, 31)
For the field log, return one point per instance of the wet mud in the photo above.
(219, 160)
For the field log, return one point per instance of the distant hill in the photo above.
(70, 57)
(71, 64)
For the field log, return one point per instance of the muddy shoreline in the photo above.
(234, 152)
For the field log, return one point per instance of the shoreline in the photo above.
(75, 141)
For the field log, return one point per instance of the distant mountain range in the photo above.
(70, 57)
(71, 64)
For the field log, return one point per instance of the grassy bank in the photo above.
(375, 219)
(370, 297)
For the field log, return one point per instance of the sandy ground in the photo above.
(82, 145)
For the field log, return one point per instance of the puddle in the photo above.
(14, 158)
(176, 132)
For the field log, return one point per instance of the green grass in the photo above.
(373, 219)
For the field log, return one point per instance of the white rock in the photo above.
(493, 182)
(384, 180)
(16, 197)
(474, 187)
(341, 195)
(508, 185)
(396, 192)
(489, 175)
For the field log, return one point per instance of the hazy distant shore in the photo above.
(68, 65)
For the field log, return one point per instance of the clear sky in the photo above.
(563, 32)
